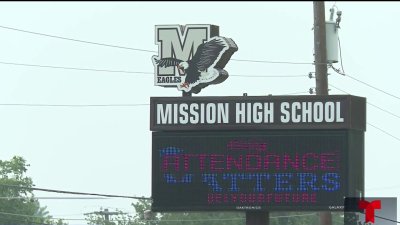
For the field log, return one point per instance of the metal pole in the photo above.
(321, 70)
(257, 218)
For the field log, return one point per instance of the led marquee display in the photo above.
(256, 170)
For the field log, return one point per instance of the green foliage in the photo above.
(209, 218)
(294, 218)
(203, 218)
(16, 199)
(184, 218)
(120, 219)
(141, 218)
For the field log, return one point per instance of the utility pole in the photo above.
(321, 70)
(106, 214)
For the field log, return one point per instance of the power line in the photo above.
(166, 220)
(73, 198)
(369, 103)
(72, 68)
(339, 89)
(376, 217)
(378, 89)
(74, 192)
(99, 105)
(360, 81)
(344, 74)
(384, 110)
(384, 218)
(387, 219)
(193, 220)
(76, 40)
(39, 217)
(340, 53)
(341, 62)
(380, 109)
(273, 62)
(131, 72)
(234, 75)
(145, 50)
(384, 131)
(74, 219)
(72, 105)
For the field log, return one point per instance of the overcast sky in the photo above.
(108, 149)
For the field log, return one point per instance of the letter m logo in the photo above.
(179, 42)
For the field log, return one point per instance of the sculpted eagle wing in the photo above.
(208, 52)
(166, 62)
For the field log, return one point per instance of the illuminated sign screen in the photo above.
(255, 170)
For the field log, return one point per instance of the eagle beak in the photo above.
(181, 70)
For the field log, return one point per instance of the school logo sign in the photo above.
(191, 57)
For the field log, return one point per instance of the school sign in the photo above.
(257, 152)
(267, 153)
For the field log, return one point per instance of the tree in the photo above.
(17, 202)
(120, 218)
(142, 217)
(217, 218)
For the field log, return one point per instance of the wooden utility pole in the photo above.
(321, 70)
(106, 214)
